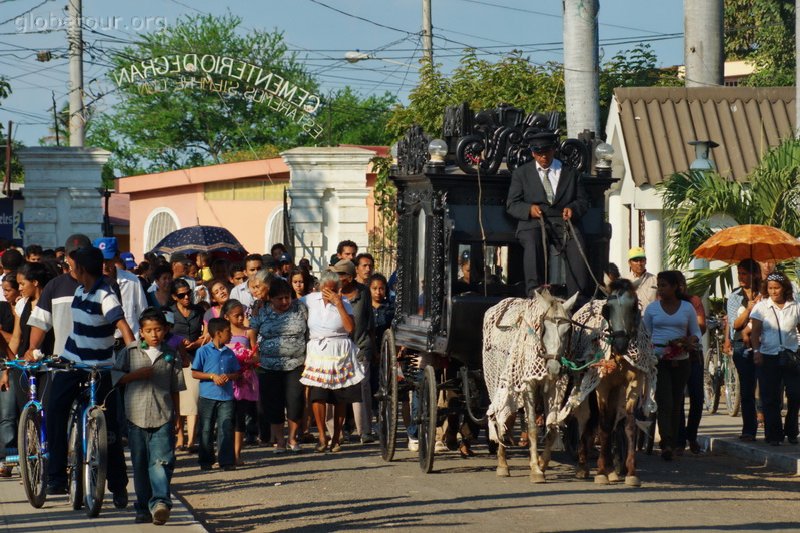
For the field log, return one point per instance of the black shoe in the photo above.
(143, 517)
(55, 490)
(205, 467)
(792, 440)
(121, 499)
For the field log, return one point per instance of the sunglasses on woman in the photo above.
(182, 295)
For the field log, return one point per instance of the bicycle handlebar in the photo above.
(55, 364)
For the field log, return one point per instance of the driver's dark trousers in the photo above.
(66, 387)
(577, 275)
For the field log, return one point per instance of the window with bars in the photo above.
(161, 225)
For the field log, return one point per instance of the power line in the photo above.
(12, 19)
(361, 18)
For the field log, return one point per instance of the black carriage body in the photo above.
(439, 224)
(456, 209)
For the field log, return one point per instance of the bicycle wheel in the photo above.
(96, 461)
(711, 384)
(427, 419)
(75, 457)
(32, 459)
(733, 399)
(387, 397)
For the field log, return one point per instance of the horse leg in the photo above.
(537, 475)
(631, 479)
(502, 464)
(586, 415)
(603, 432)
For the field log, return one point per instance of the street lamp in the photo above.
(354, 56)
(702, 150)
(107, 229)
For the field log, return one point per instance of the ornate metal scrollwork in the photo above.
(504, 135)
(412, 151)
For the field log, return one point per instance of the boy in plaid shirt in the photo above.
(153, 377)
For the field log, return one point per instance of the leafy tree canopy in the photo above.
(762, 31)
(516, 80)
(349, 119)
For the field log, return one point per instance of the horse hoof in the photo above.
(537, 478)
(503, 472)
(633, 481)
(601, 479)
(582, 474)
(613, 477)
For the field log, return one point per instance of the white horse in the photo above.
(523, 340)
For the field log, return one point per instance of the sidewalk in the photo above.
(17, 515)
(719, 434)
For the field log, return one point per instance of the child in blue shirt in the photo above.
(216, 366)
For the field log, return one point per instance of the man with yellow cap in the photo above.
(644, 281)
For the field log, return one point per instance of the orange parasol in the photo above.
(762, 243)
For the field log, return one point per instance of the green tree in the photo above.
(156, 130)
(770, 195)
(515, 80)
(762, 32)
(17, 172)
(350, 119)
(632, 68)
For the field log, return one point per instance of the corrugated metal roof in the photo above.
(658, 122)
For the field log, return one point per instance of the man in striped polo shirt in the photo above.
(96, 314)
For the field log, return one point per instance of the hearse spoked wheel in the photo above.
(387, 397)
(427, 419)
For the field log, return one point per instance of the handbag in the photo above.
(788, 360)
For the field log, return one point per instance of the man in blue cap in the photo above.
(546, 192)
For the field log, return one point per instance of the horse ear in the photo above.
(569, 303)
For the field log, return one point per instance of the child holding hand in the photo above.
(153, 377)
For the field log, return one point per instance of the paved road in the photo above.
(356, 490)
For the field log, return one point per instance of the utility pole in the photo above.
(55, 117)
(581, 66)
(76, 111)
(427, 31)
(703, 43)
(7, 180)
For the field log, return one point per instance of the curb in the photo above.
(788, 463)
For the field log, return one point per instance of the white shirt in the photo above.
(789, 317)
(324, 319)
(664, 327)
(241, 292)
(134, 300)
(554, 174)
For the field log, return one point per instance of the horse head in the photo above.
(557, 324)
(621, 312)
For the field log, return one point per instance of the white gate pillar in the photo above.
(61, 193)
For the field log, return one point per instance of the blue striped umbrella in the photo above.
(199, 239)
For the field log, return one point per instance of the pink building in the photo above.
(246, 198)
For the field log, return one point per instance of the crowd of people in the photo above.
(209, 355)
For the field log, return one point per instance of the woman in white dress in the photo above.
(332, 371)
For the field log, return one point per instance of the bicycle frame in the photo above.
(29, 370)
(90, 403)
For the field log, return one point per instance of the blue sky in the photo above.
(387, 29)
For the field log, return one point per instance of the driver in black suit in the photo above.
(561, 198)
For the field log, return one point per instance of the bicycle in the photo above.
(32, 447)
(719, 373)
(87, 443)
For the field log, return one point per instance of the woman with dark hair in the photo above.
(219, 292)
(672, 324)
(161, 297)
(282, 332)
(188, 324)
(301, 282)
(687, 430)
(775, 325)
(30, 279)
(740, 304)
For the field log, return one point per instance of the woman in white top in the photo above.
(672, 324)
(332, 371)
(775, 325)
